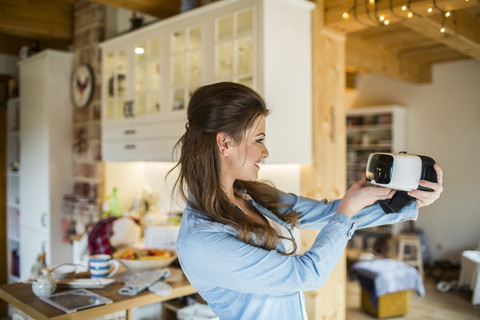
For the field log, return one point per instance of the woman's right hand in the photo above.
(359, 196)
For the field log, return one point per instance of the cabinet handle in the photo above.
(43, 219)
(130, 146)
(131, 131)
(128, 109)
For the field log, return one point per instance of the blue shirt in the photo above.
(240, 281)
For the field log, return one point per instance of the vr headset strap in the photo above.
(398, 201)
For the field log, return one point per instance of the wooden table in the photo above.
(20, 296)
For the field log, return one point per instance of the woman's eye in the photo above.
(261, 140)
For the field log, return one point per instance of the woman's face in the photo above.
(246, 155)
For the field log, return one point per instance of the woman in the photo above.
(235, 243)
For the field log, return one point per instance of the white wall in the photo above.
(8, 65)
(443, 121)
(117, 21)
(130, 177)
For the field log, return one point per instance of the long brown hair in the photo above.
(231, 108)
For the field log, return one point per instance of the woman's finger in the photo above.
(430, 184)
(439, 172)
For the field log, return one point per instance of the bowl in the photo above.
(138, 260)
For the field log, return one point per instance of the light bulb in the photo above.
(410, 14)
(139, 50)
(430, 10)
(404, 8)
(382, 18)
(386, 22)
(372, 1)
(345, 15)
(442, 29)
(447, 14)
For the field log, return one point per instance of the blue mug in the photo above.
(100, 265)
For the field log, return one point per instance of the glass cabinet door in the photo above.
(234, 47)
(186, 62)
(115, 78)
(147, 73)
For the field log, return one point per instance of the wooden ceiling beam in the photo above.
(462, 34)
(39, 19)
(365, 15)
(366, 56)
(157, 8)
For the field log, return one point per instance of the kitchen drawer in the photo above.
(143, 130)
(159, 149)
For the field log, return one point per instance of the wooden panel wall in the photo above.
(325, 178)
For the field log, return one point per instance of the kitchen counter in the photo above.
(20, 296)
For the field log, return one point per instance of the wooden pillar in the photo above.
(326, 177)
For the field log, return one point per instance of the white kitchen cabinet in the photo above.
(46, 154)
(149, 75)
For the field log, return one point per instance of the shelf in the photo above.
(13, 279)
(13, 205)
(355, 147)
(14, 238)
(12, 173)
(368, 127)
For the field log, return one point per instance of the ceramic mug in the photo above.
(100, 265)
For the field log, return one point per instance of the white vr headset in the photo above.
(399, 171)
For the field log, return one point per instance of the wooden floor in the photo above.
(434, 305)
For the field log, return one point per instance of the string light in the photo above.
(382, 19)
(411, 13)
(346, 14)
(353, 11)
(445, 14)
(393, 12)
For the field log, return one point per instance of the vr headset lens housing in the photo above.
(380, 168)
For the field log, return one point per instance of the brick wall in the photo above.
(88, 32)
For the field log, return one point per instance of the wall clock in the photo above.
(82, 85)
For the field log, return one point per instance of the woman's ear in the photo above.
(223, 143)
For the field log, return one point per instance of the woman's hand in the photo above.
(425, 198)
(359, 196)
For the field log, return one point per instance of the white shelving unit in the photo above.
(13, 190)
(373, 129)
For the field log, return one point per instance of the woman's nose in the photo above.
(265, 152)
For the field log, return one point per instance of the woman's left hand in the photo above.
(425, 198)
